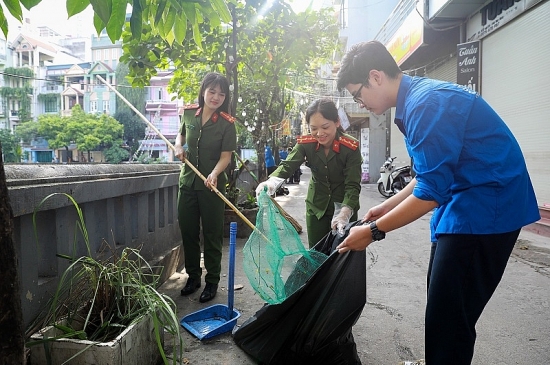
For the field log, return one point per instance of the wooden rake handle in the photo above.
(173, 148)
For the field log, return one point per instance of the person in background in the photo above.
(470, 172)
(269, 160)
(282, 154)
(210, 134)
(335, 162)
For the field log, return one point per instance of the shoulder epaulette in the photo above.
(190, 106)
(349, 142)
(306, 139)
(228, 117)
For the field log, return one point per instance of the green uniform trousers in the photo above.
(318, 228)
(196, 207)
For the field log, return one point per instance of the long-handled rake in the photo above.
(151, 125)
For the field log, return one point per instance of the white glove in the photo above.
(341, 217)
(271, 184)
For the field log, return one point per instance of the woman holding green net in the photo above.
(335, 162)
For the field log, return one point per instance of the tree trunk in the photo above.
(12, 342)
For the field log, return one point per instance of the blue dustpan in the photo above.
(219, 318)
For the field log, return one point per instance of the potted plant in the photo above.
(100, 306)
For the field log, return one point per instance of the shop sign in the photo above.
(468, 63)
(407, 39)
(494, 15)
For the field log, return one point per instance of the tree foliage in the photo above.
(27, 131)
(19, 87)
(168, 18)
(134, 127)
(268, 47)
(87, 131)
(10, 147)
(116, 154)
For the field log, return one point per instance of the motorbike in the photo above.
(392, 179)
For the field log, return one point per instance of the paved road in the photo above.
(514, 329)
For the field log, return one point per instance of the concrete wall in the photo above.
(123, 205)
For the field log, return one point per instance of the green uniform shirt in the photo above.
(335, 177)
(205, 143)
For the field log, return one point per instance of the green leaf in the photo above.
(189, 11)
(175, 4)
(29, 4)
(14, 7)
(76, 6)
(170, 37)
(160, 29)
(169, 23)
(213, 17)
(180, 28)
(117, 19)
(3, 23)
(64, 329)
(98, 24)
(136, 20)
(159, 11)
(102, 8)
(221, 8)
(197, 36)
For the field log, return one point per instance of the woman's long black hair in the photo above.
(214, 79)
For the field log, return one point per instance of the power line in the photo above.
(61, 82)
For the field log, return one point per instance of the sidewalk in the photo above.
(390, 329)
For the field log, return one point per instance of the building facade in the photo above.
(483, 45)
(163, 110)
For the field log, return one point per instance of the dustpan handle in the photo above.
(231, 279)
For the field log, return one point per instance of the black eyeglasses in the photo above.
(356, 96)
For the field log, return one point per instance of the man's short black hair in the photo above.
(361, 59)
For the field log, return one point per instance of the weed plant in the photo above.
(97, 300)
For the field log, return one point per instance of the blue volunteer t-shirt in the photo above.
(465, 158)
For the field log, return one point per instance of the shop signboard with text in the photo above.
(468, 65)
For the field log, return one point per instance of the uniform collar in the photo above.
(213, 118)
(335, 143)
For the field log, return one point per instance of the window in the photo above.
(106, 106)
(114, 53)
(50, 106)
(93, 106)
(106, 54)
(160, 94)
(97, 55)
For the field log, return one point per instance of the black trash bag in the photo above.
(313, 325)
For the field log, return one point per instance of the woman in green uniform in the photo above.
(209, 132)
(335, 162)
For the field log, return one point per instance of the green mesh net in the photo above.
(275, 259)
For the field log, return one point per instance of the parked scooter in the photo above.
(392, 180)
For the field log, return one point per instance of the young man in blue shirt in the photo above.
(469, 170)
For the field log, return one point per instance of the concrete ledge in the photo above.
(129, 205)
(36, 174)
